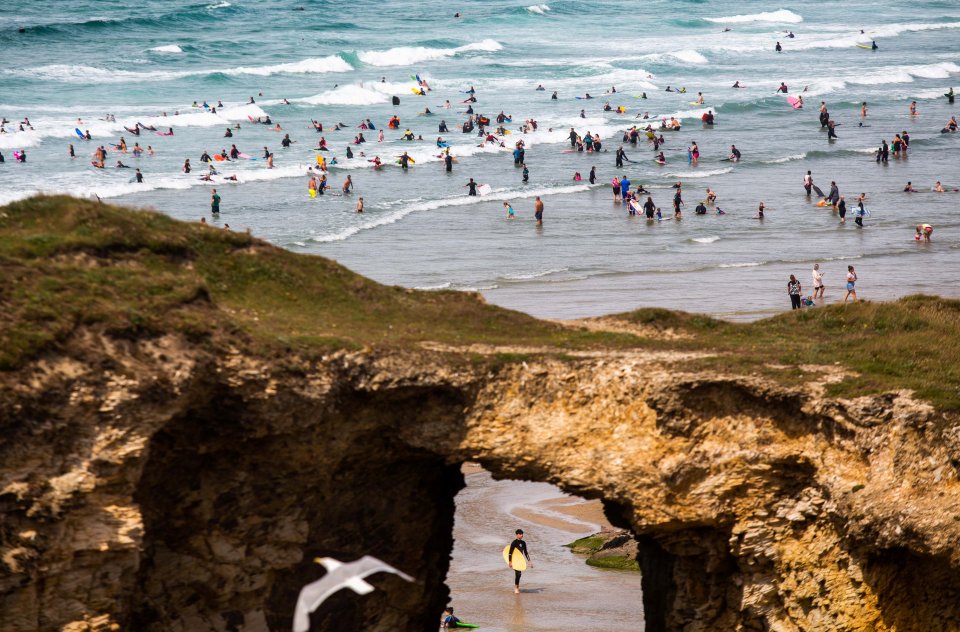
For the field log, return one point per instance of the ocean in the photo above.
(343, 63)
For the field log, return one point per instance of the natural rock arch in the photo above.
(153, 485)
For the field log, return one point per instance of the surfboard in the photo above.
(79, 133)
(795, 102)
(817, 190)
(484, 189)
(244, 156)
(416, 91)
(519, 561)
(864, 46)
(697, 103)
(461, 624)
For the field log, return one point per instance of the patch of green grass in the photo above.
(69, 262)
(66, 263)
(589, 544)
(911, 343)
(614, 561)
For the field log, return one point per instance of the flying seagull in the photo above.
(339, 575)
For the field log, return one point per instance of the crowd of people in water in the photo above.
(637, 200)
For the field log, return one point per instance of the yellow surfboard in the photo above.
(519, 561)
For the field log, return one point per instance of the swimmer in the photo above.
(734, 154)
(938, 188)
(759, 214)
(736, 84)
(510, 213)
(909, 188)
(913, 109)
(924, 231)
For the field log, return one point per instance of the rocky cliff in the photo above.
(188, 417)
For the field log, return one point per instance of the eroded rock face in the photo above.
(152, 486)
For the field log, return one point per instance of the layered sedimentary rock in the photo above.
(189, 417)
(151, 485)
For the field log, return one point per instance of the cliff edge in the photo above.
(189, 416)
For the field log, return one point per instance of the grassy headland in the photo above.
(69, 263)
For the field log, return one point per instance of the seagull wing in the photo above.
(367, 565)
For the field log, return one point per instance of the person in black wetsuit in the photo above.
(518, 543)
(621, 156)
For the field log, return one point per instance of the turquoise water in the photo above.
(339, 62)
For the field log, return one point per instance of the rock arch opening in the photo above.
(560, 591)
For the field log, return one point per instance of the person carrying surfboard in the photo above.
(518, 545)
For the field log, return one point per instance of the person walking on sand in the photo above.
(538, 213)
(817, 281)
(851, 284)
(794, 289)
(518, 543)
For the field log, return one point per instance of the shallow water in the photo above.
(559, 593)
(420, 230)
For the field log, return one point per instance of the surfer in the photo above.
(834, 196)
(553, 97)
(778, 48)
(760, 211)
(621, 156)
(736, 84)
(138, 176)
(734, 154)
(782, 88)
(526, 174)
(472, 186)
(808, 182)
(448, 620)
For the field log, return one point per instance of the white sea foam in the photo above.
(782, 16)
(74, 73)
(167, 48)
(792, 157)
(395, 216)
(409, 55)
(346, 95)
(219, 5)
(689, 55)
(331, 63)
(540, 9)
(699, 174)
(706, 240)
(19, 140)
(519, 276)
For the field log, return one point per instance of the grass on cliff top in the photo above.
(910, 343)
(68, 262)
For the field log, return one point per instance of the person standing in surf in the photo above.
(518, 543)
